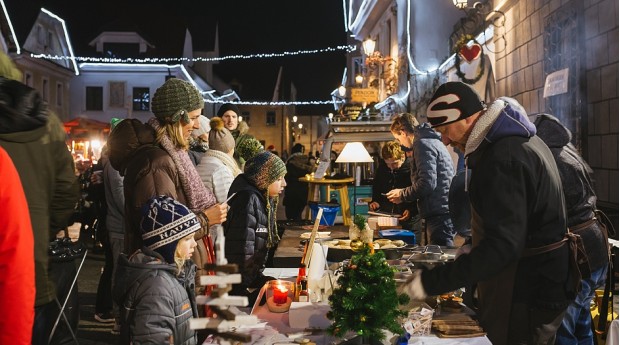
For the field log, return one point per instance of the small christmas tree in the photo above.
(366, 300)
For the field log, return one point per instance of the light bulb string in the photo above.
(346, 48)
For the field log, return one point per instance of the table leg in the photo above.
(344, 204)
(311, 190)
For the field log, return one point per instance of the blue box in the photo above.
(329, 212)
(398, 234)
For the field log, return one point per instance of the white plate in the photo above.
(319, 234)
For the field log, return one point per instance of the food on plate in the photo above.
(451, 302)
(357, 244)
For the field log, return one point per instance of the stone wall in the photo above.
(520, 74)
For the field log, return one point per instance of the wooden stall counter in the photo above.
(290, 250)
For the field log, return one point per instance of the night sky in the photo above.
(245, 27)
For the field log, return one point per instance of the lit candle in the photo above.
(280, 294)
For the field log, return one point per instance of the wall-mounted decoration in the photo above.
(117, 94)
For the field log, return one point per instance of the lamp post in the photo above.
(354, 152)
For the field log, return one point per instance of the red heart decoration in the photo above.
(470, 53)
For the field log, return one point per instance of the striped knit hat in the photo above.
(164, 222)
(264, 169)
(174, 100)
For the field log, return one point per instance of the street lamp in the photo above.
(359, 79)
(301, 125)
(330, 116)
(369, 46)
(342, 91)
(294, 118)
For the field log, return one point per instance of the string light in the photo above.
(346, 48)
(220, 100)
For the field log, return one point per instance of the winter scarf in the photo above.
(228, 161)
(198, 196)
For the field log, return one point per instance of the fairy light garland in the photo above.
(346, 48)
(219, 100)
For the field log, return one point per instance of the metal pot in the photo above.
(429, 256)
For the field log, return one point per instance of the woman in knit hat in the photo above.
(229, 113)
(156, 282)
(251, 230)
(218, 168)
(153, 159)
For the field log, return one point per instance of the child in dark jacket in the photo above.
(251, 230)
(154, 287)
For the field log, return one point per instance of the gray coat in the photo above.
(156, 305)
(431, 173)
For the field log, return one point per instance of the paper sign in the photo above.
(321, 169)
(556, 83)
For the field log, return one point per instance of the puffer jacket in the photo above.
(156, 304)
(148, 171)
(35, 140)
(432, 170)
(517, 203)
(246, 231)
(578, 188)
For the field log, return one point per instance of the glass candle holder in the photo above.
(279, 295)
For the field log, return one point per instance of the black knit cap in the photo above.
(226, 107)
(453, 101)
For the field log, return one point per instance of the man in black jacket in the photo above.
(580, 198)
(517, 206)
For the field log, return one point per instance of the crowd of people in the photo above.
(171, 185)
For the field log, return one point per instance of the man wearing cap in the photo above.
(517, 207)
(239, 129)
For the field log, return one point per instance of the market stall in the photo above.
(452, 321)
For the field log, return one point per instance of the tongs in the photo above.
(428, 249)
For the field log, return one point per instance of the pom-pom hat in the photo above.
(220, 138)
(453, 101)
(164, 222)
(174, 100)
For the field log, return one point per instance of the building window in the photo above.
(59, 94)
(141, 99)
(246, 116)
(45, 89)
(28, 79)
(271, 118)
(94, 98)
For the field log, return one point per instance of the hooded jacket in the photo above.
(35, 141)
(431, 173)
(579, 193)
(246, 231)
(240, 134)
(156, 304)
(517, 203)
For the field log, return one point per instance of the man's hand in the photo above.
(405, 217)
(216, 214)
(374, 206)
(394, 196)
